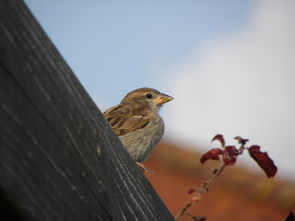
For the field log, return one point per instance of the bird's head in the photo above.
(147, 97)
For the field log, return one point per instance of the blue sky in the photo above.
(229, 64)
(114, 47)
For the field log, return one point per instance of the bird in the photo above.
(137, 122)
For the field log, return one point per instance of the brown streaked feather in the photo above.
(124, 118)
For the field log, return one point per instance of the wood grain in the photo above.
(59, 159)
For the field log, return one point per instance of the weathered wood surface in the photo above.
(59, 159)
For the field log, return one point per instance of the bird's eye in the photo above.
(149, 96)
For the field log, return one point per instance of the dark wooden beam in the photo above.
(59, 159)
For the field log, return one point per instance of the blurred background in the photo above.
(230, 65)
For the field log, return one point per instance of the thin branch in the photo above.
(203, 189)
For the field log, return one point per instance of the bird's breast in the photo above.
(141, 142)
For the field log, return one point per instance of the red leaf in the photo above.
(191, 190)
(212, 154)
(219, 137)
(263, 160)
(229, 155)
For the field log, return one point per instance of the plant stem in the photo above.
(202, 189)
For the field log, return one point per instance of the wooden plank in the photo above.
(59, 159)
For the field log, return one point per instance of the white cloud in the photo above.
(242, 84)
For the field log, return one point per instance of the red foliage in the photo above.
(212, 154)
(229, 155)
(220, 138)
(191, 190)
(263, 160)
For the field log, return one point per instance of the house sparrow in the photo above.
(137, 122)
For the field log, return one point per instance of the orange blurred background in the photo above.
(238, 194)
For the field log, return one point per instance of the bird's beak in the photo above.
(163, 98)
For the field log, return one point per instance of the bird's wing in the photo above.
(123, 119)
